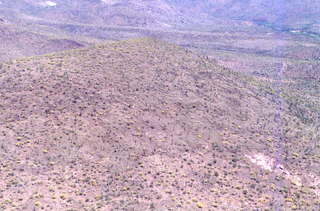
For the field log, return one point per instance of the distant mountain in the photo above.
(100, 12)
(280, 13)
(170, 13)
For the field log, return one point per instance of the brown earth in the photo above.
(145, 125)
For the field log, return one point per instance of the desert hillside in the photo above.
(147, 125)
(17, 42)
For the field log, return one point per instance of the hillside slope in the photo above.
(17, 43)
(145, 125)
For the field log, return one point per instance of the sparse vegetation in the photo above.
(219, 116)
(143, 124)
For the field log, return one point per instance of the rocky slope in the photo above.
(145, 125)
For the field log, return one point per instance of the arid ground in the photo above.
(147, 125)
(138, 105)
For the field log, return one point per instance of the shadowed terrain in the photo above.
(147, 125)
(17, 43)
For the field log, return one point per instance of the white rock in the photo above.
(49, 4)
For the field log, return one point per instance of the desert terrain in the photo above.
(127, 110)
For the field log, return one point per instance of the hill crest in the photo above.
(131, 124)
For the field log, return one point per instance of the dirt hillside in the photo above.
(146, 125)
